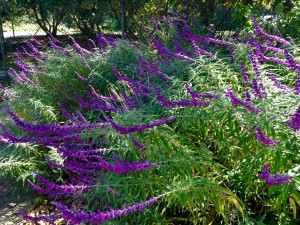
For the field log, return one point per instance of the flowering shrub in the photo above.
(191, 146)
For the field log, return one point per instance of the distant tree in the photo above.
(48, 14)
(6, 8)
(89, 15)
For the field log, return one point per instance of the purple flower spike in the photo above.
(261, 33)
(295, 122)
(236, 101)
(48, 218)
(99, 216)
(244, 72)
(78, 48)
(291, 62)
(56, 47)
(297, 84)
(139, 128)
(16, 75)
(277, 83)
(32, 48)
(52, 37)
(141, 147)
(80, 77)
(265, 140)
(248, 97)
(282, 179)
(255, 64)
(257, 89)
(36, 41)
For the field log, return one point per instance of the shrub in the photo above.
(200, 147)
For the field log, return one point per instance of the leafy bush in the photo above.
(196, 130)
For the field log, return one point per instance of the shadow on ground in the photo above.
(14, 196)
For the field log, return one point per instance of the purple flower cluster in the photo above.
(53, 129)
(248, 97)
(48, 218)
(152, 69)
(276, 179)
(36, 57)
(113, 98)
(104, 41)
(163, 50)
(102, 105)
(195, 95)
(295, 122)
(140, 147)
(277, 84)
(244, 72)
(265, 140)
(236, 101)
(99, 216)
(139, 128)
(200, 51)
(79, 49)
(80, 77)
(181, 103)
(261, 33)
(61, 49)
(297, 84)
(258, 89)
(291, 62)
(255, 65)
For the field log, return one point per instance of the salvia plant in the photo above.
(190, 129)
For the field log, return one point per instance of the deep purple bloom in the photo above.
(277, 179)
(261, 33)
(195, 95)
(248, 97)
(236, 101)
(11, 95)
(297, 84)
(237, 37)
(30, 55)
(295, 122)
(139, 128)
(265, 140)
(200, 51)
(231, 50)
(291, 62)
(277, 84)
(140, 147)
(85, 62)
(113, 98)
(32, 48)
(163, 50)
(26, 69)
(16, 75)
(255, 64)
(244, 72)
(80, 77)
(98, 105)
(53, 39)
(56, 47)
(48, 218)
(36, 41)
(99, 216)
(78, 48)
(180, 103)
(257, 89)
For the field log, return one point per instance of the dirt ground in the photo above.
(14, 196)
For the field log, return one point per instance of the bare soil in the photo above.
(14, 196)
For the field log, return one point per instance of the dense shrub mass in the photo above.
(190, 130)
